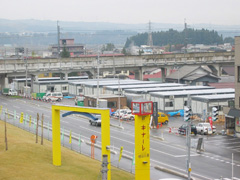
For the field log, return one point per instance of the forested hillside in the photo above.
(174, 37)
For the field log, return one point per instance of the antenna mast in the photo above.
(150, 41)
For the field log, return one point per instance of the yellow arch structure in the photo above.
(56, 140)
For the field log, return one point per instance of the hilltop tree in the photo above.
(65, 53)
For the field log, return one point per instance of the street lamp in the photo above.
(98, 79)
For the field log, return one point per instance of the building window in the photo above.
(112, 104)
(169, 104)
(64, 88)
(89, 103)
(238, 72)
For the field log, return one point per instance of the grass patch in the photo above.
(19, 97)
(27, 160)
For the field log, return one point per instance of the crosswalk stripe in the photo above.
(236, 178)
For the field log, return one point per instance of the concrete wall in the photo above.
(237, 73)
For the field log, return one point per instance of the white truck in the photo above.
(9, 92)
(205, 128)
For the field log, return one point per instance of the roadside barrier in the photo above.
(170, 129)
(173, 130)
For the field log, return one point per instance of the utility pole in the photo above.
(189, 169)
(25, 59)
(98, 80)
(104, 167)
(58, 39)
(119, 102)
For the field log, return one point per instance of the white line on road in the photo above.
(213, 141)
(64, 122)
(218, 144)
(186, 155)
(30, 111)
(16, 107)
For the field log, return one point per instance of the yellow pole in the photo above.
(105, 131)
(56, 141)
(142, 147)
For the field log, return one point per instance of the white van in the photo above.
(53, 96)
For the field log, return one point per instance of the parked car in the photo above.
(183, 129)
(128, 115)
(205, 128)
(96, 120)
(53, 96)
(120, 112)
(162, 118)
(77, 99)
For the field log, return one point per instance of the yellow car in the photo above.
(162, 118)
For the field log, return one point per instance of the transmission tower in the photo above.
(185, 38)
(58, 39)
(150, 41)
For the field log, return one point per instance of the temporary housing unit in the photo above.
(20, 83)
(91, 88)
(114, 89)
(202, 105)
(77, 87)
(52, 86)
(112, 100)
(176, 100)
(145, 91)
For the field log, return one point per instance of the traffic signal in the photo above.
(187, 113)
(214, 114)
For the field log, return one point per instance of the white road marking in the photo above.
(30, 111)
(186, 155)
(64, 122)
(218, 144)
(212, 141)
(16, 107)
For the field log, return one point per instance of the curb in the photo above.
(157, 137)
(172, 172)
(120, 127)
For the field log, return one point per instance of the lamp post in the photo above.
(119, 102)
(98, 80)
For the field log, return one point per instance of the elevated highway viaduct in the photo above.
(139, 64)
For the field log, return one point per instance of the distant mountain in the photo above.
(88, 32)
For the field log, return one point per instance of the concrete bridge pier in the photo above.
(66, 76)
(33, 78)
(36, 78)
(168, 71)
(163, 74)
(4, 82)
(139, 74)
(216, 69)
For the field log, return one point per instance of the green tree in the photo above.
(124, 51)
(108, 47)
(229, 40)
(65, 53)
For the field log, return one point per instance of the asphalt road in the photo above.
(213, 163)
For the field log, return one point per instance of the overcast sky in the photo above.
(224, 12)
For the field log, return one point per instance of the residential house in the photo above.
(193, 75)
(75, 50)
